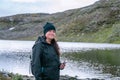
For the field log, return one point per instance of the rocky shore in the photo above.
(62, 77)
(11, 76)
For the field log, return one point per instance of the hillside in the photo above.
(99, 22)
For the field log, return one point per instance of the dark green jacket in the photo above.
(45, 62)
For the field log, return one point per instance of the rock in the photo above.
(62, 77)
(5, 76)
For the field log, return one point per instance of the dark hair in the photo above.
(55, 44)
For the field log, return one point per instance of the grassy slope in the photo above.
(104, 35)
(96, 23)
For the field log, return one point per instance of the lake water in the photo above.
(14, 57)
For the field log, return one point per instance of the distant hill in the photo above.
(99, 22)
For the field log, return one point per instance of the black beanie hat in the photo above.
(48, 26)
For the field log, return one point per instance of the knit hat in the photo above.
(48, 26)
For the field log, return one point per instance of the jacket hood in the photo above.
(40, 39)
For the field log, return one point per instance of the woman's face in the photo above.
(50, 34)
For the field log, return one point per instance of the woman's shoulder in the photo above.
(39, 42)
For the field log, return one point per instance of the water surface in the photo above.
(14, 57)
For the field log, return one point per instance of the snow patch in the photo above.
(11, 28)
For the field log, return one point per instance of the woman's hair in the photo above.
(55, 44)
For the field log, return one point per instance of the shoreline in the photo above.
(12, 76)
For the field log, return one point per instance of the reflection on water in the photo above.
(20, 64)
(15, 63)
(14, 57)
(104, 61)
(83, 70)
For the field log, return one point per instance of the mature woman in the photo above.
(45, 56)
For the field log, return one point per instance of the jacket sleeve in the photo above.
(36, 56)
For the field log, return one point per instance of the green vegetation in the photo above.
(107, 56)
(107, 60)
(115, 36)
(110, 34)
(17, 77)
(24, 77)
(10, 76)
(98, 23)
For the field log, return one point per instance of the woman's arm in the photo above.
(36, 63)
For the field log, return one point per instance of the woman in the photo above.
(45, 57)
